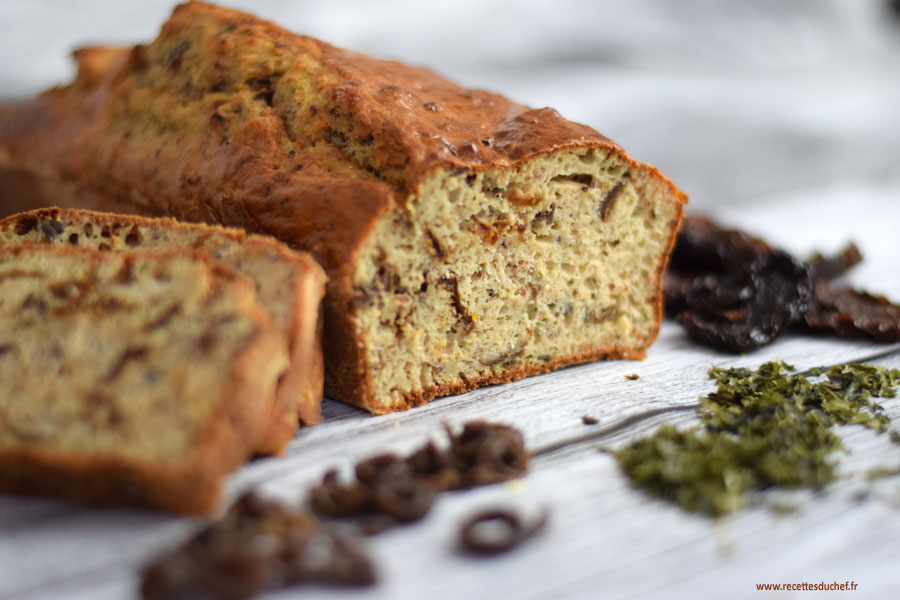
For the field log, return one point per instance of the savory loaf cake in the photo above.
(130, 378)
(289, 285)
(468, 239)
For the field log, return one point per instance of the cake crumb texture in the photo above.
(289, 285)
(130, 378)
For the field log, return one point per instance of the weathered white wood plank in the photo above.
(596, 518)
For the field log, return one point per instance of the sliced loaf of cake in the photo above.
(468, 239)
(138, 378)
(289, 285)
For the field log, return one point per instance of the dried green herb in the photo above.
(760, 429)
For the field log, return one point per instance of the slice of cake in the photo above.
(289, 285)
(468, 239)
(131, 378)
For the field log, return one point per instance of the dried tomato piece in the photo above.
(705, 247)
(749, 306)
(675, 288)
(853, 313)
(734, 292)
(823, 267)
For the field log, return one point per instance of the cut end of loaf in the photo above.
(136, 379)
(490, 276)
(289, 285)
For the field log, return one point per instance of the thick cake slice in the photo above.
(130, 378)
(468, 239)
(289, 285)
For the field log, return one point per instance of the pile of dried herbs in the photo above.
(760, 430)
(733, 292)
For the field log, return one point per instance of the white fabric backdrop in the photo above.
(736, 101)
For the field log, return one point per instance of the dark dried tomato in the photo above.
(852, 313)
(733, 292)
(750, 306)
(823, 267)
(705, 247)
(676, 287)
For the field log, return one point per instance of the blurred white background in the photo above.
(738, 102)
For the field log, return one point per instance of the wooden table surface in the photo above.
(604, 539)
(805, 153)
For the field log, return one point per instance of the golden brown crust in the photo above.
(237, 428)
(108, 481)
(304, 383)
(298, 139)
